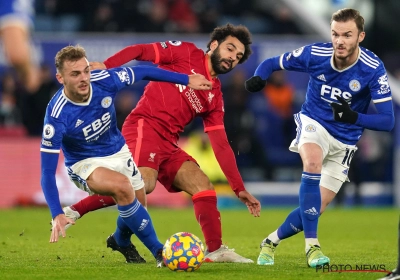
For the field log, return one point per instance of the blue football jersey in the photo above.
(366, 78)
(89, 129)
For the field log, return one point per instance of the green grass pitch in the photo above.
(348, 236)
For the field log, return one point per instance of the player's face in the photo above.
(345, 40)
(225, 56)
(75, 77)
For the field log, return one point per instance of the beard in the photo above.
(216, 62)
(349, 51)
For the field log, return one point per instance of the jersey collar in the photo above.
(80, 103)
(348, 67)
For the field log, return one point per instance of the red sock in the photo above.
(209, 218)
(92, 203)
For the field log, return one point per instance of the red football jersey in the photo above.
(167, 107)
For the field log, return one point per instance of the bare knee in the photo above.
(123, 192)
(191, 179)
(312, 166)
(149, 176)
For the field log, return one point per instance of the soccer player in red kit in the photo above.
(152, 129)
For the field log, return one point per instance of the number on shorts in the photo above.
(348, 157)
(130, 161)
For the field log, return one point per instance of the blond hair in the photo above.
(69, 53)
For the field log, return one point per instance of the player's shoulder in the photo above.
(177, 44)
(98, 75)
(57, 105)
(369, 59)
(320, 50)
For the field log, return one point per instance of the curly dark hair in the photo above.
(240, 32)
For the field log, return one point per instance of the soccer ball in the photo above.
(183, 251)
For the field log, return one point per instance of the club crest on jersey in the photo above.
(151, 158)
(298, 52)
(86, 167)
(123, 76)
(106, 102)
(175, 43)
(48, 131)
(383, 81)
(210, 97)
(355, 85)
(310, 128)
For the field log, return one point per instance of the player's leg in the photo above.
(310, 201)
(312, 144)
(133, 216)
(88, 204)
(191, 179)
(133, 133)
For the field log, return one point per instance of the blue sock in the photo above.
(291, 226)
(123, 233)
(310, 203)
(138, 220)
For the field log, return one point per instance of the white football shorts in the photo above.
(121, 162)
(336, 155)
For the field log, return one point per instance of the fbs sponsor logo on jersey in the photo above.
(332, 92)
(93, 131)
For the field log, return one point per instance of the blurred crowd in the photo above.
(178, 16)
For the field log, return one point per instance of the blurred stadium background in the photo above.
(260, 126)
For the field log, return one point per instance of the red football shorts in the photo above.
(150, 149)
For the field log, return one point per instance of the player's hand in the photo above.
(253, 205)
(342, 112)
(255, 84)
(198, 81)
(94, 65)
(58, 228)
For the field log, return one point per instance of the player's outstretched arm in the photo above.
(48, 181)
(263, 71)
(198, 81)
(226, 160)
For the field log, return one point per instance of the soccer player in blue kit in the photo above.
(80, 119)
(344, 77)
